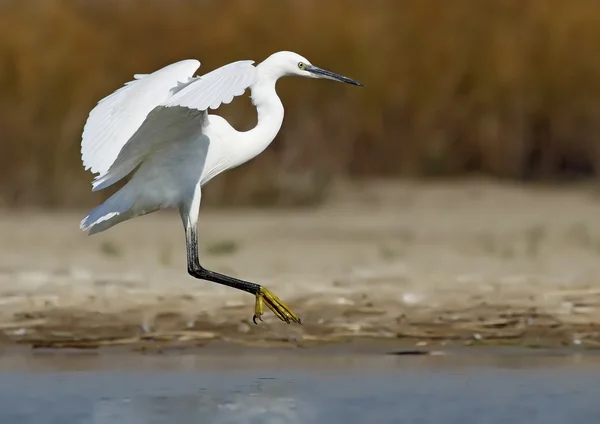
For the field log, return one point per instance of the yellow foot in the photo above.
(280, 309)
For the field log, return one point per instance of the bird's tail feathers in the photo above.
(109, 213)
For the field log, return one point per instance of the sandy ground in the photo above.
(423, 264)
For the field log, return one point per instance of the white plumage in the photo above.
(158, 126)
(165, 112)
(116, 117)
(119, 119)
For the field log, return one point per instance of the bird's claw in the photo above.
(280, 309)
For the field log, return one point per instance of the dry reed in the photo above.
(505, 87)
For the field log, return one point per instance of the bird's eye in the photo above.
(302, 65)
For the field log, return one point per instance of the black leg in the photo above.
(196, 270)
(263, 295)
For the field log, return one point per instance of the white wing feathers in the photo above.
(162, 126)
(217, 87)
(118, 117)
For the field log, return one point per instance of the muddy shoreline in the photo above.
(421, 265)
(478, 326)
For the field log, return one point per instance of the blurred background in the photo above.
(457, 191)
(508, 89)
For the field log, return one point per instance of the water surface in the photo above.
(298, 387)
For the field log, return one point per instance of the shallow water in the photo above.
(298, 387)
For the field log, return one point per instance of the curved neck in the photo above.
(270, 116)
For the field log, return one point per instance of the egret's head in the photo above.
(290, 63)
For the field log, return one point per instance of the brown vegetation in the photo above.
(507, 87)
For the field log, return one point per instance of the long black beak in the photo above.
(331, 75)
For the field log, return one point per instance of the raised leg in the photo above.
(263, 295)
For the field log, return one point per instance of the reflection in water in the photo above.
(263, 409)
(298, 389)
(240, 409)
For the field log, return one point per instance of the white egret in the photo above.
(159, 124)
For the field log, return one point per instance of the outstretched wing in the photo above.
(174, 117)
(118, 116)
(215, 88)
